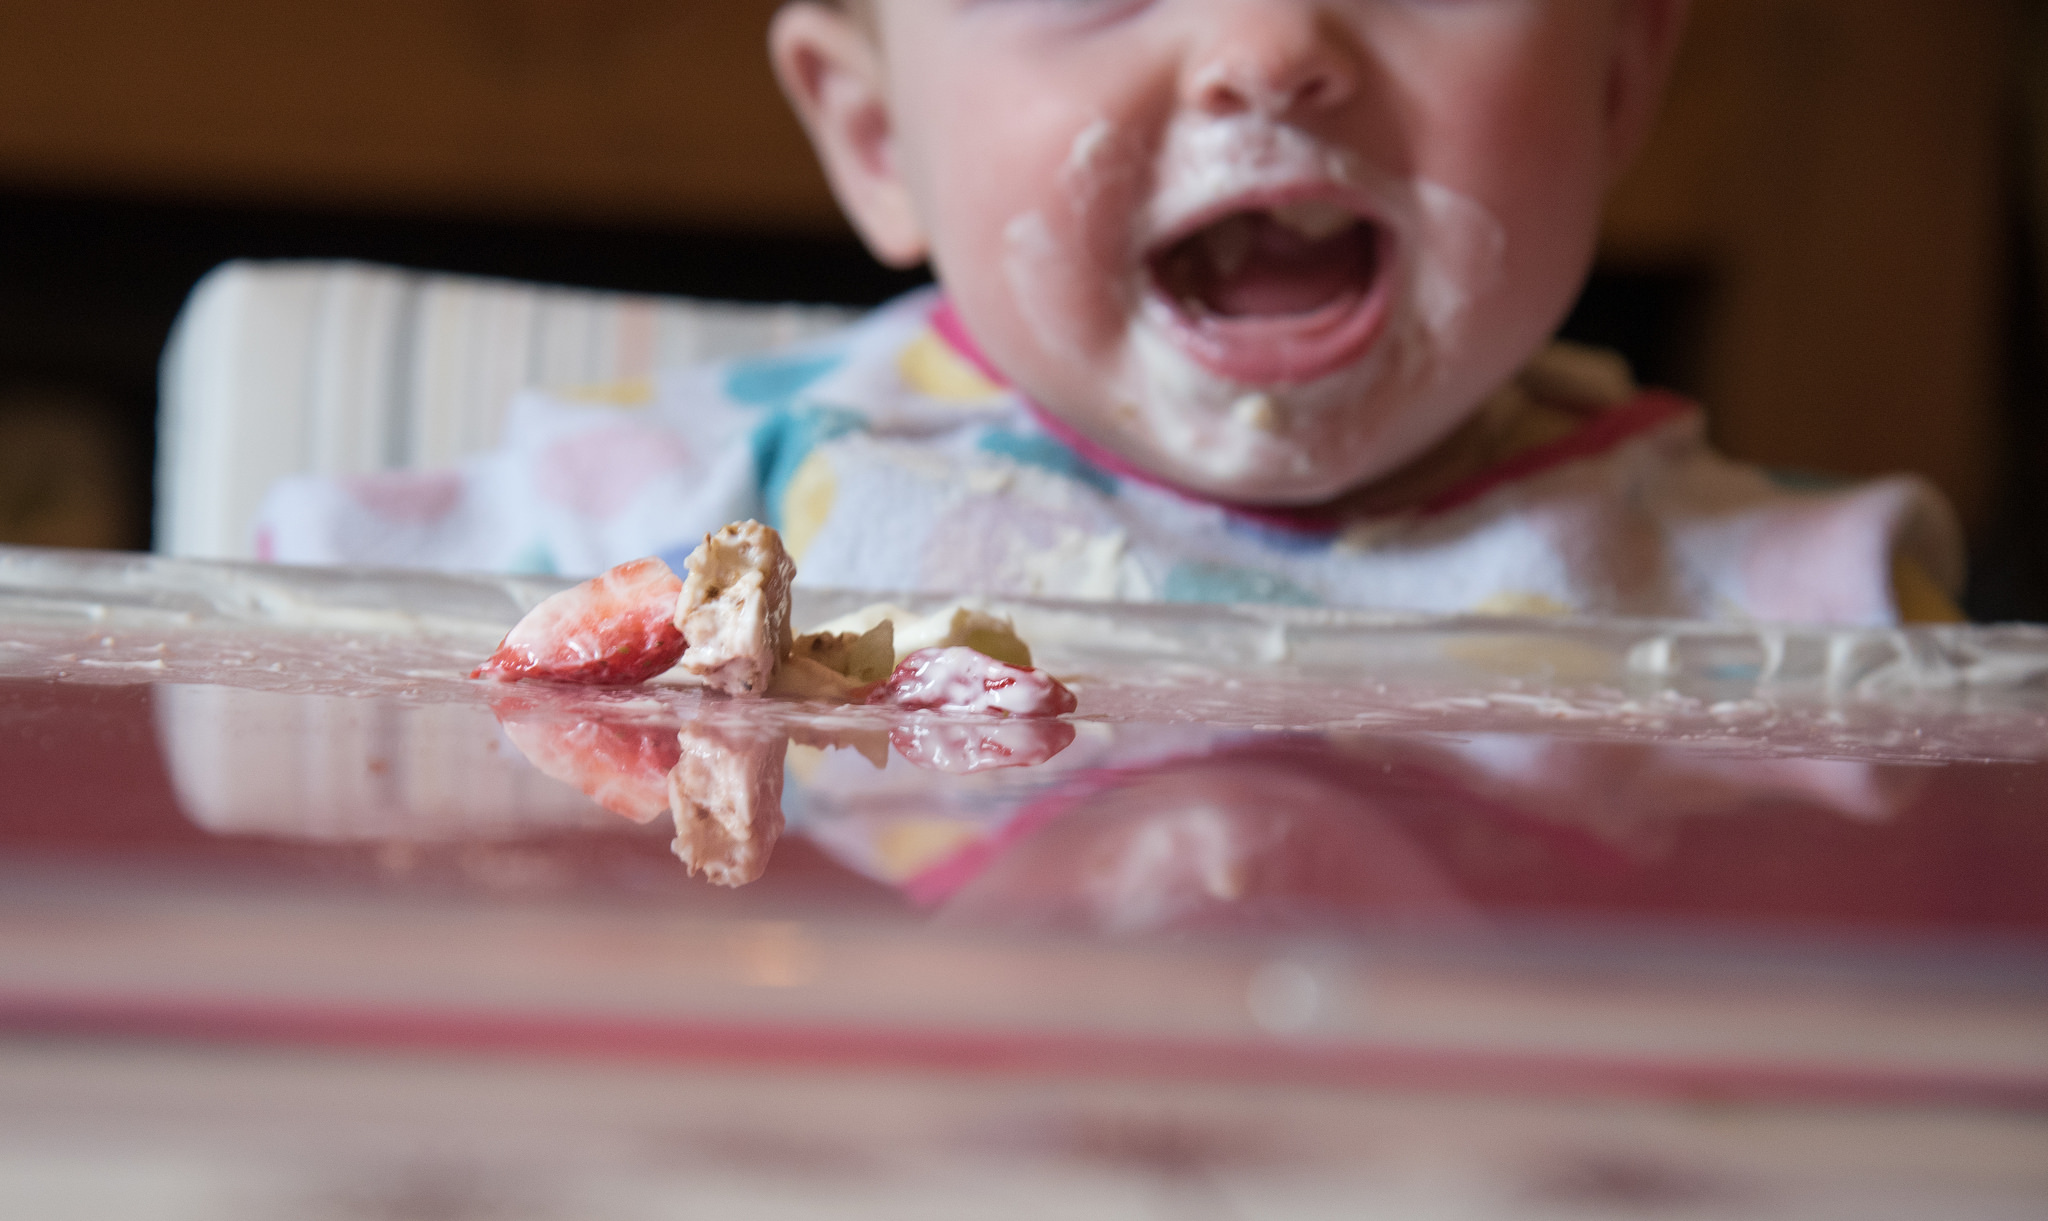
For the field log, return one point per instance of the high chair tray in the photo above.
(1307, 911)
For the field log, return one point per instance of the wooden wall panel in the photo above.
(1836, 163)
(659, 110)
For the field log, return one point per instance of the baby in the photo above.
(1239, 300)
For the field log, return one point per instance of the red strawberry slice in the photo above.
(616, 628)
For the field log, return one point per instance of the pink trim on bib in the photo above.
(1648, 411)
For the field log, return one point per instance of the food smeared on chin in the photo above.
(614, 629)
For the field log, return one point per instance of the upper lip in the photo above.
(1180, 228)
(1268, 350)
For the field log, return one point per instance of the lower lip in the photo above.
(1282, 350)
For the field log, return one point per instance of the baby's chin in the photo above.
(1268, 472)
(1280, 445)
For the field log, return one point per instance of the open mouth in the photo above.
(1277, 294)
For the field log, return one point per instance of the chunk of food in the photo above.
(726, 793)
(958, 624)
(836, 666)
(961, 679)
(965, 627)
(864, 657)
(734, 609)
(727, 626)
(618, 627)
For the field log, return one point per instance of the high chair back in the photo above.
(337, 368)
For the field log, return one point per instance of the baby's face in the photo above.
(1267, 249)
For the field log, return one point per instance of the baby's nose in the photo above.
(1273, 59)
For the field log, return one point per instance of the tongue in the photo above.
(1265, 269)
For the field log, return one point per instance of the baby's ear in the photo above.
(1646, 43)
(831, 69)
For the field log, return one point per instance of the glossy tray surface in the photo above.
(1278, 859)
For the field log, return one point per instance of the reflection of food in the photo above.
(961, 679)
(726, 791)
(618, 627)
(722, 783)
(734, 609)
(723, 779)
(622, 764)
(965, 747)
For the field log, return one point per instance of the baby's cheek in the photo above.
(1069, 266)
(1049, 284)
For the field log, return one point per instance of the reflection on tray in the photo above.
(1137, 828)
(722, 781)
(347, 770)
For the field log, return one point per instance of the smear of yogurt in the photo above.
(1080, 264)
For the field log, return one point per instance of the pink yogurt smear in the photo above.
(958, 679)
(963, 748)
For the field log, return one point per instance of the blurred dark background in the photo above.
(1834, 239)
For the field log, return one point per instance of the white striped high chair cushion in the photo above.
(345, 368)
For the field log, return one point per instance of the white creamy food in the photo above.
(957, 624)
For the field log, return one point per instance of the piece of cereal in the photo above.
(734, 609)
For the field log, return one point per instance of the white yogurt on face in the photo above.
(1076, 269)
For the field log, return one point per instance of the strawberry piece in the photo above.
(616, 628)
(959, 679)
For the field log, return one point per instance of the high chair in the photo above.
(339, 368)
